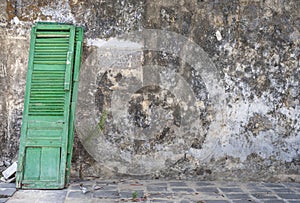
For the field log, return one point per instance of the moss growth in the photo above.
(102, 120)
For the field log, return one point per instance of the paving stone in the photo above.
(282, 190)
(177, 184)
(132, 187)
(20, 201)
(109, 187)
(52, 195)
(84, 183)
(238, 196)
(81, 201)
(253, 184)
(259, 190)
(295, 185)
(77, 187)
(204, 183)
(243, 201)
(158, 184)
(79, 194)
(207, 189)
(160, 195)
(106, 201)
(290, 196)
(2, 200)
(7, 192)
(183, 189)
(44, 200)
(129, 194)
(230, 189)
(216, 201)
(25, 194)
(45, 196)
(106, 182)
(185, 201)
(273, 185)
(7, 185)
(106, 194)
(274, 201)
(161, 201)
(213, 195)
(229, 184)
(264, 196)
(156, 189)
(74, 187)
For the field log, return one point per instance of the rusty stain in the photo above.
(10, 11)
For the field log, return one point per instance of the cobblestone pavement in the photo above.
(162, 191)
(6, 191)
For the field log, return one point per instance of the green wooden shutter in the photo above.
(46, 117)
(77, 61)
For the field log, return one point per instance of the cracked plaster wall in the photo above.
(249, 48)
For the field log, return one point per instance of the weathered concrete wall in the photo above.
(204, 89)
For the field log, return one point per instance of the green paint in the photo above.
(48, 116)
(77, 61)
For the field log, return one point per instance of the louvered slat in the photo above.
(48, 83)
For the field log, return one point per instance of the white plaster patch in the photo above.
(218, 35)
(16, 20)
(95, 42)
(114, 43)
